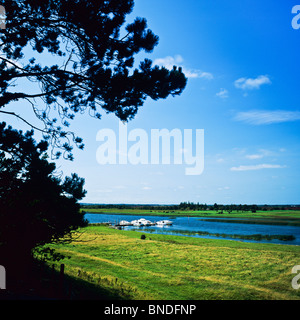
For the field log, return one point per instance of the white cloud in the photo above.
(146, 188)
(104, 191)
(223, 188)
(169, 62)
(262, 153)
(223, 94)
(157, 173)
(267, 117)
(257, 167)
(254, 156)
(250, 84)
(205, 75)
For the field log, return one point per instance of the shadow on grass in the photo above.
(42, 282)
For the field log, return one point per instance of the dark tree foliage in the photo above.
(36, 207)
(95, 70)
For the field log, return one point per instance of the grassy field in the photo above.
(207, 213)
(163, 267)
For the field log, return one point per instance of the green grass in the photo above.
(237, 214)
(164, 267)
(257, 237)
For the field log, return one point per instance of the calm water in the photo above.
(196, 224)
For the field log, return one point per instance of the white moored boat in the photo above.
(164, 223)
(145, 222)
(125, 223)
(136, 223)
(141, 223)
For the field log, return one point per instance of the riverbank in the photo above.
(274, 217)
(279, 221)
(256, 237)
(168, 267)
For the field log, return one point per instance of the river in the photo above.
(188, 226)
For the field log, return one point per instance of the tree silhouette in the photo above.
(91, 66)
(36, 206)
(60, 59)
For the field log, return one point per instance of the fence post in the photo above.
(2, 278)
(61, 279)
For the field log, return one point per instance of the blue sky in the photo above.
(242, 61)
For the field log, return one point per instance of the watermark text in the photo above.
(162, 146)
(296, 19)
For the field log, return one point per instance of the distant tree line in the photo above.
(191, 206)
